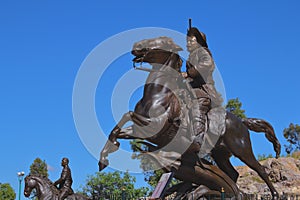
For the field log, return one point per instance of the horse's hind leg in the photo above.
(243, 150)
(251, 161)
(221, 157)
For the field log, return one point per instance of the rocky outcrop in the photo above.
(284, 173)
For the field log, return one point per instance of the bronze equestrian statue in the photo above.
(162, 117)
(45, 190)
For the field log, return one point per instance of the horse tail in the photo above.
(260, 125)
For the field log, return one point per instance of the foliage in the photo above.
(104, 185)
(39, 168)
(7, 192)
(234, 106)
(292, 135)
(151, 176)
(264, 157)
(296, 155)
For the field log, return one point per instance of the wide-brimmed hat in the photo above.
(200, 36)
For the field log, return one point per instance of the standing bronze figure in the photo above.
(161, 117)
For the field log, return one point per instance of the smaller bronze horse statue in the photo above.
(159, 114)
(45, 190)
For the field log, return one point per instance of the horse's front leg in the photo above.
(112, 144)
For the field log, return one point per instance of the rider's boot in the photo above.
(199, 126)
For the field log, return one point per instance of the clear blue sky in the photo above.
(255, 45)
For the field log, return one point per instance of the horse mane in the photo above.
(46, 180)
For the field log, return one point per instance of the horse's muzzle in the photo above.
(138, 56)
(138, 59)
(26, 194)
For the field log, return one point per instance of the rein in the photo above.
(144, 68)
(155, 70)
(33, 197)
(151, 70)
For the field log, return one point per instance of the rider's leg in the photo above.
(63, 193)
(199, 116)
(216, 128)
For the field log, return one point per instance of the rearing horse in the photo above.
(160, 115)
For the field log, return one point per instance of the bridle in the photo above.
(29, 190)
(147, 69)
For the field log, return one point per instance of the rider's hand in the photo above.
(184, 74)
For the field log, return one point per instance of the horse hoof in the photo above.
(103, 164)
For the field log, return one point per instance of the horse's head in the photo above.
(40, 183)
(30, 184)
(157, 51)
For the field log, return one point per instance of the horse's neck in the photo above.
(158, 85)
(165, 76)
(161, 81)
(44, 191)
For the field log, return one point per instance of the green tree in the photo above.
(7, 192)
(39, 168)
(264, 157)
(112, 186)
(151, 176)
(234, 106)
(292, 135)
